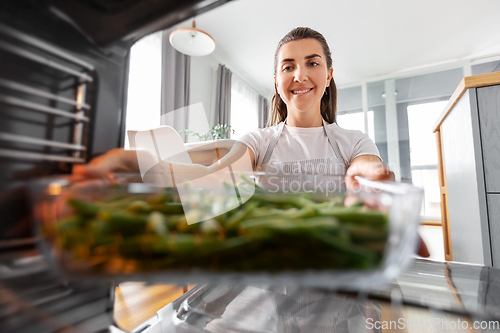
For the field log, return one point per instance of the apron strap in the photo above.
(331, 140)
(273, 143)
(334, 145)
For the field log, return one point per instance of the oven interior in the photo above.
(63, 80)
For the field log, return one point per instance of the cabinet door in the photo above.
(494, 220)
(488, 101)
(465, 183)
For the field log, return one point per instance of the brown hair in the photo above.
(328, 106)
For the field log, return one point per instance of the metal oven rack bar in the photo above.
(25, 139)
(33, 106)
(45, 55)
(24, 88)
(44, 61)
(44, 46)
(37, 156)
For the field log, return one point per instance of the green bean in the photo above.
(240, 215)
(101, 233)
(361, 255)
(83, 208)
(139, 206)
(168, 208)
(356, 215)
(210, 226)
(366, 233)
(123, 222)
(252, 183)
(123, 202)
(157, 223)
(70, 223)
(99, 227)
(290, 225)
(279, 199)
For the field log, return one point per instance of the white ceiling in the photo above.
(368, 38)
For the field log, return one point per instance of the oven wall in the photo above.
(37, 39)
(104, 95)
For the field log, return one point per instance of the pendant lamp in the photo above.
(192, 41)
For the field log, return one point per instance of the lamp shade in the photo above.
(192, 41)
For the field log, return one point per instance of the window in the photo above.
(356, 121)
(423, 154)
(144, 87)
(244, 108)
(350, 111)
(486, 67)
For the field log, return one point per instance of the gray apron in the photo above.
(324, 174)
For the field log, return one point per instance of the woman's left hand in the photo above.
(371, 167)
(367, 166)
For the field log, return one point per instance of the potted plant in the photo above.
(217, 132)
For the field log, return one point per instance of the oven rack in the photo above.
(58, 90)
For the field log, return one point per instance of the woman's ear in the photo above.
(275, 82)
(329, 77)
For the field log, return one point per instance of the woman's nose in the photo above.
(300, 74)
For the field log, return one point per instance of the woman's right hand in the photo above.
(115, 160)
(120, 160)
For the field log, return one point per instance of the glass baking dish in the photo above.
(231, 232)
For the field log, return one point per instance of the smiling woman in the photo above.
(302, 125)
(303, 55)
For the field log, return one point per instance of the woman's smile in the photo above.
(302, 91)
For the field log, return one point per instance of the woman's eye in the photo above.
(313, 64)
(287, 68)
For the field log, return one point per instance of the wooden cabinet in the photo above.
(468, 137)
(494, 223)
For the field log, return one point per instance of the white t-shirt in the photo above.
(301, 143)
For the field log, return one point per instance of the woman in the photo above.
(303, 132)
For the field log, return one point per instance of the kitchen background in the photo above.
(396, 64)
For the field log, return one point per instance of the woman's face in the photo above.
(302, 75)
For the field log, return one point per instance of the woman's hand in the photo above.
(371, 167)
(240, 157)
(115, 160)
(367, 166)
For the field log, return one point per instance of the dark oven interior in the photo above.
(63, 79)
